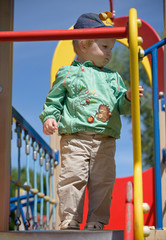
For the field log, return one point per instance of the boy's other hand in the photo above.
(50, 126)
(128, 93)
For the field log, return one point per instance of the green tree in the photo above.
(120, 63)
(14, 176)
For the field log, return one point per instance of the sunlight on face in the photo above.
(100, 51)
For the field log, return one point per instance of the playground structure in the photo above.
(120, 31)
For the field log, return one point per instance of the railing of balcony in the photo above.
(36, 195)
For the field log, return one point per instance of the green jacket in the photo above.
(87, 98)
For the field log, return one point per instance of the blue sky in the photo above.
(32, 60)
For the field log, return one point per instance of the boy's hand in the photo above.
(50, 126)
(128, 93)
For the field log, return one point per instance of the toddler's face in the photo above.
(100, 51)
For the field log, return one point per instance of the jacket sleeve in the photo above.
(53, 106)
(124, 105)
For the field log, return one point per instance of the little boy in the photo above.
(89, 98)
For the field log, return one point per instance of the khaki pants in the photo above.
(87, 160)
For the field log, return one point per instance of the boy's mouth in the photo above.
(107, 59)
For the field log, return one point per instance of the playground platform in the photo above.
(63, 235)
(75, 235)
(156, 235)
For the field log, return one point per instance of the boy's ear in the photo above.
(83, 46)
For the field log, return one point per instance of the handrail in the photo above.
(153, 50)
(50, 35)
(135, 108)
(40, 151)
(34, 135)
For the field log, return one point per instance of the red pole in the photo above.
(50, 35)
(111, 6)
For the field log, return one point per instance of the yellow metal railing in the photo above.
(135, 108)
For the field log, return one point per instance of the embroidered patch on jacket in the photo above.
(87, 97)
(103, 113)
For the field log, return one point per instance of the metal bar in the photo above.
(135, 108)
(14, 207)
(47, 166)
(156, 140)
(19, 144)
(153, 50)
(47, 203)
(27, 152)
(155, 46)
(22, 197)
(50, 35)
(53, 192)
(22, 214)
(111, 6)
(41, 187)
(35, 182)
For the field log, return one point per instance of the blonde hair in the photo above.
(76, 45)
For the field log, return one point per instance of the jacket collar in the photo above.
(86, 64)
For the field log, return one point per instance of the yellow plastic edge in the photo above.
(63, 55)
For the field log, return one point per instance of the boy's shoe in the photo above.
(69, 225)
(94, 226)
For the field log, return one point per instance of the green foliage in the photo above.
(13, 190)
(14, 175)
(120, 63)
(12, 221)
(147, 135)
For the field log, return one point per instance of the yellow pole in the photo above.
(135, 109)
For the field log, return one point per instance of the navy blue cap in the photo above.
(92, 20)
